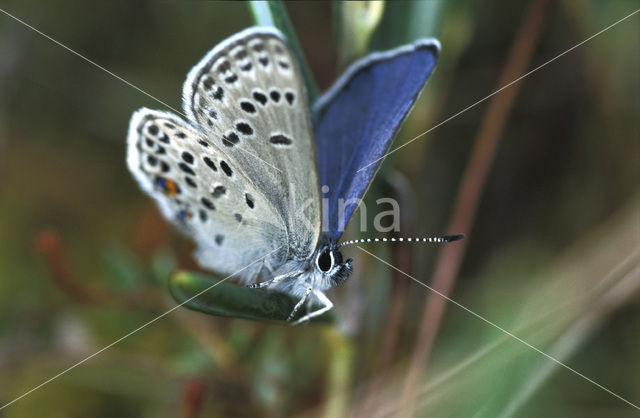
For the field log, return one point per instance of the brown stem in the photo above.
(193, 397)
(49, 244)
(403, 259)
(485, 144)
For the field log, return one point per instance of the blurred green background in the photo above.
(552, 249)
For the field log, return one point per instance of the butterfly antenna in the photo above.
(443, 238)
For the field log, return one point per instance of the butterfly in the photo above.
(246, 174)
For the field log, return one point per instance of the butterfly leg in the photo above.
(322, 298)
(298, 305)
(261, 284)
(273, 281)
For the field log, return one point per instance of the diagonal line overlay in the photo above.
(373, 162)
(68, 369)
(91, 62)
(121, 79)
(502, 330)
(499, 90)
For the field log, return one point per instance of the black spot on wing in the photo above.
(187, 157)
(223, 67)
(230, 139)
(248, 107)
(280, 139)
(210, 163)
(250, 201)
(190, 182)
(290, 97)
(241, 54)
(207, 83)
(218, 191)
(225, 168)
(186, 169)
(219, 93)
(260, 97)
(207, 203)
(244, 128)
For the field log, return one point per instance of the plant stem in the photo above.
(485, 144)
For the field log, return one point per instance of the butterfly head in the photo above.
(328, 262)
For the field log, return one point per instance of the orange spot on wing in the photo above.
(171, 188)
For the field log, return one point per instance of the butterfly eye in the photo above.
(325, 260)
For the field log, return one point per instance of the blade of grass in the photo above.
(577, 298)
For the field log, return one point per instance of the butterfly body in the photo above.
(241, 175)
(323, 270)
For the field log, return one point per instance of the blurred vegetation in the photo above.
(552, 255)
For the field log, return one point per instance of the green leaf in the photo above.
(203, 293)
(273, 13)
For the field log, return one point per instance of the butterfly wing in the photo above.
(203, 192)
(239, 176)
(247, 95)
(358, 118)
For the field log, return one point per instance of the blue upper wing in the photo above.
(357, 120)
